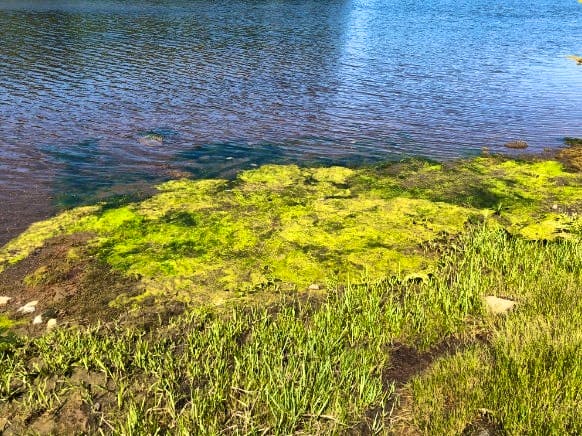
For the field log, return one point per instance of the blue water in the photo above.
(99, 98)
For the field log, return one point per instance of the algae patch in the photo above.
(285, 227)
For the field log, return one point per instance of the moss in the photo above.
(207, 240)
(39, 276)
(5, 322)
(37, 234)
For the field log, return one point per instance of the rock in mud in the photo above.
(37, 320)
(51, 324)
(4, 301)
(29, 307)
(499, 306)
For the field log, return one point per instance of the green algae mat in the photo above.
(286, 227)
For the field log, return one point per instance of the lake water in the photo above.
(99, 98)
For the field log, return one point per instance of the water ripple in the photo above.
(243, 82)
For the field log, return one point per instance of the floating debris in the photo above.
(577, 59)
(151, 139)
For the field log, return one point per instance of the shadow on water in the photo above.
(90, 171)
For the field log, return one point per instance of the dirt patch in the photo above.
(407, 362)
(483, 425)
(68, 282)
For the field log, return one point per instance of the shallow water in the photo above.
(105, 97)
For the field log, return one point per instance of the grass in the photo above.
(528, 379)
(322, 366)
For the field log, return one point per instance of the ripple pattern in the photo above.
(228, 85)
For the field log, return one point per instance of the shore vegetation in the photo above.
(324, 300)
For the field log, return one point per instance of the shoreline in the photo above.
(17, 216)
(415, 297)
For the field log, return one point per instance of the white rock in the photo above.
(37, 320)
(51, 324)
(313, 287)
(26, 309)
(498, 305)
(4, 301)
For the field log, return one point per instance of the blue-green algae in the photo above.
(288, 227)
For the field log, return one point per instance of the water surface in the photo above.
(99, 98)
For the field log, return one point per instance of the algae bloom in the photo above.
(286, 227)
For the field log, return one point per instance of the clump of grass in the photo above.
(529, 378)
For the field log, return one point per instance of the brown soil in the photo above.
(71, 289)
(405, 363)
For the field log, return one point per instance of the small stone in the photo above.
(313, 287)
(4, 301)
(555, 207)
(51, 324)
(26, 309)
(517, 145)
(37, 320)
(498, 305)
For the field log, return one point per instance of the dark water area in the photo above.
(104, 98)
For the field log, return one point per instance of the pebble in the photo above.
(37, 320)
(51, 324)
(555, 207)
(4, 300)
(28, 307)
(498, 305)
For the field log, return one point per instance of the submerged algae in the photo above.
(286, 227)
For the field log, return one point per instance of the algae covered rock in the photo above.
(517, 144)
